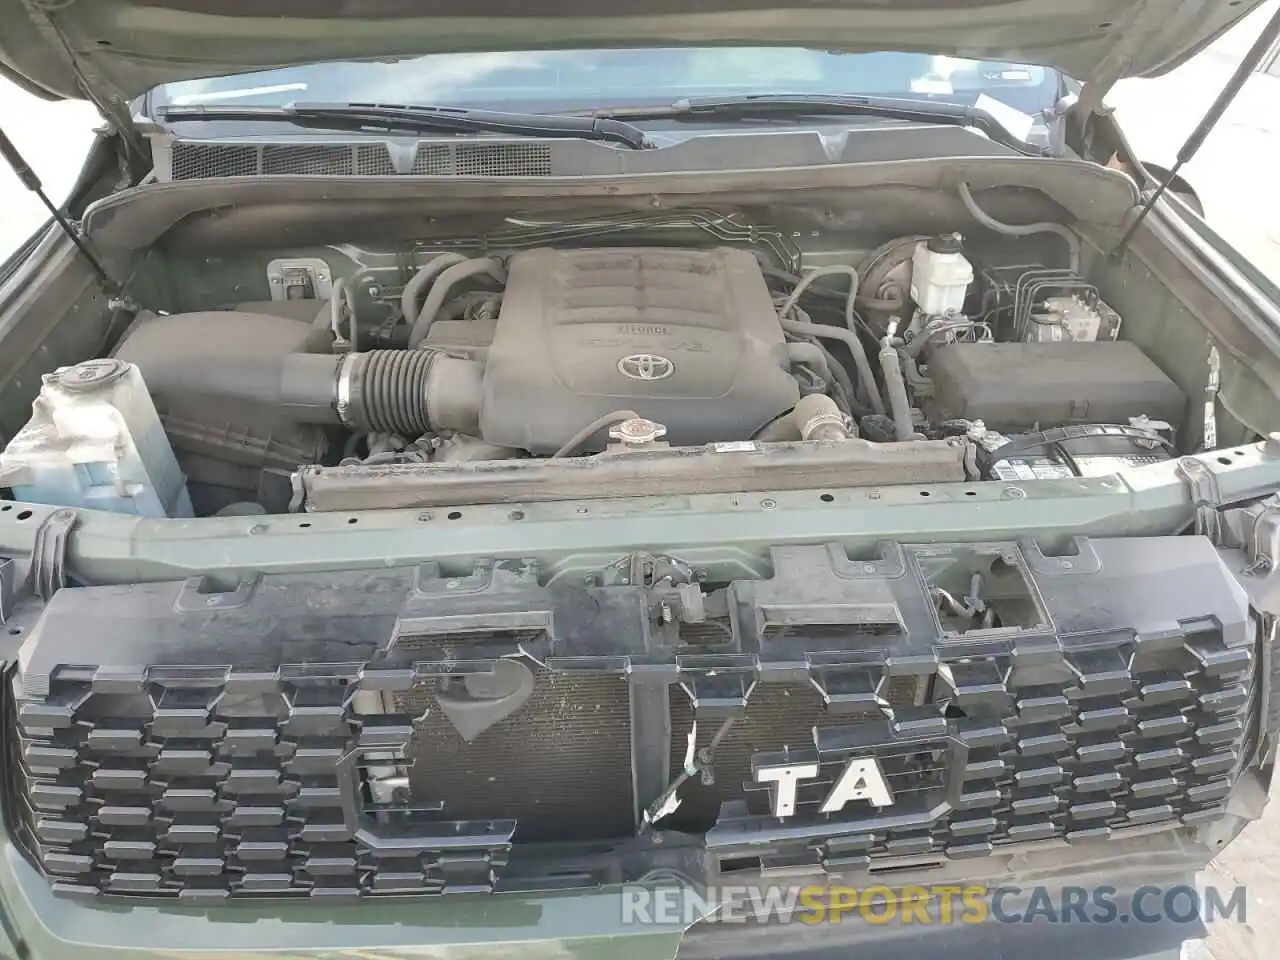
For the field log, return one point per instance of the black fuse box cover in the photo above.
(1013, 386)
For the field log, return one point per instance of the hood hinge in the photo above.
(113, 106)
(1139, 28)
(1089, 103)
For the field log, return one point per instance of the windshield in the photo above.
(549, 81)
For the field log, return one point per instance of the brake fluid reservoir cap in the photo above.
(90, 375)
(945, 243)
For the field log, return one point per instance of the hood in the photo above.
(113, 50)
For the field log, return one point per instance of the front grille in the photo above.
(339, 757)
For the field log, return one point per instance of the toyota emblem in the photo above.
(646, 366)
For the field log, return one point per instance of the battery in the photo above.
(1094, 450)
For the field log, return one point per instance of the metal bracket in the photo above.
(305, 278)
(1205, 497)
(697, 762)
(48, 573)
(717, 695)
(1212, 386)
(8, 588)
(1257, 526)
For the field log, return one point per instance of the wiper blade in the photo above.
(411, 118)
(798, 106)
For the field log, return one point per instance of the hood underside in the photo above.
(116, 49)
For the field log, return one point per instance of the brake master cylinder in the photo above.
(940, 276)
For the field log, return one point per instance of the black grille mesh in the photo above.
(202, 161)
(195, 160)
(483, 160)
(561, 765)
(365, 160)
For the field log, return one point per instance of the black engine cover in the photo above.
(686, 338)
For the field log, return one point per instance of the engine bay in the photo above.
(373, 378)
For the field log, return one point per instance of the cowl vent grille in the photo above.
(198, 160)
(483, 160)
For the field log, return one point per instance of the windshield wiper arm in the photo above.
(410, 118)
(796, 106)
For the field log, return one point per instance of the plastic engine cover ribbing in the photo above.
(687, 338)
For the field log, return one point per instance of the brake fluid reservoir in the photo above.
(940, 275)
(95, 440)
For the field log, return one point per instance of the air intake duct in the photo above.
(409, 392)
(252, 366)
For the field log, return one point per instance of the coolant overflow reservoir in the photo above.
(940, 275)
(95, 440)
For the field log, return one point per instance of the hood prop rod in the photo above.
(1252, 60)
(32, 183)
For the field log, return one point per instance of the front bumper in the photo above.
(582, 925)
